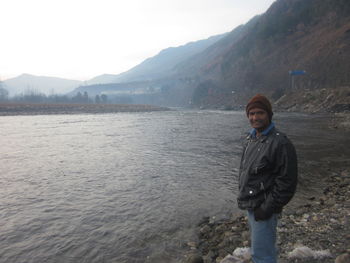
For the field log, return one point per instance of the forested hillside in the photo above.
(308, 36)
(312, 35)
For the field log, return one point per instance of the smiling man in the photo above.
(267, 178)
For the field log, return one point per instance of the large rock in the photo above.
(344, 258)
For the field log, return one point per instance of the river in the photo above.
(131, 187)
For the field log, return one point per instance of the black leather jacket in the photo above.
(268, 172)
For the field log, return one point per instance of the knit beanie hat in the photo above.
(261, 102)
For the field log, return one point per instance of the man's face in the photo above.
(259, 119)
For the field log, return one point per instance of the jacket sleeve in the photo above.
(285, 182)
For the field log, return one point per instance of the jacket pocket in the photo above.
(250, 198)
(260, 168)
(249, 192)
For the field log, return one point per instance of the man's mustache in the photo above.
(257, 121)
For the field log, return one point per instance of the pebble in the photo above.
(306, 217)
(219, 259)
(212, 254)
(192, 244)
(205, 230)
(245, 235)
(220, 229)
(333, 221)
(299, 212)
(194, 258)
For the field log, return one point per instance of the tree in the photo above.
(78, 98)
(32, 96)
(104, 98)
(86, 97)
(97, 99)
(202, 91)
(3, 93)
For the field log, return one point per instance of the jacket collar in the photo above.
(252, 133)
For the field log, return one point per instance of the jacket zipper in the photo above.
(263, 188)
(246, 149)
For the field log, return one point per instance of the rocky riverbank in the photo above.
(10, 109)
(341, 121)
(316, 231)
(332, 100)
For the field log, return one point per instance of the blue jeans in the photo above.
(263, 239)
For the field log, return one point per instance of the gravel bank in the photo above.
(12, 109)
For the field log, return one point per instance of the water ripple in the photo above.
(122, 187)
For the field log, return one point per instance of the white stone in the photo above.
(306, 252)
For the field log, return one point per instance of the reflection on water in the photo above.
(124, 187)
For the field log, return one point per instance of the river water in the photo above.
(131, 187)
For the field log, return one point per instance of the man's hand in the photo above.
(260, 214)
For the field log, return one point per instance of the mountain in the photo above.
(101, 79)
(30, 83)
(307, 36)
(312, 35)
(160, 66)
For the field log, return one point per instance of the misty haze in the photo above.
(139, 162)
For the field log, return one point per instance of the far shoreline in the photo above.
(24, 109)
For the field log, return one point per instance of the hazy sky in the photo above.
(80, 39)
